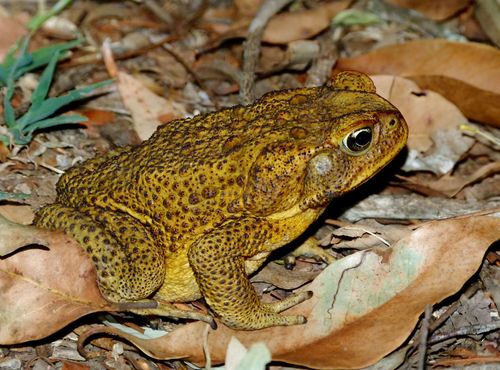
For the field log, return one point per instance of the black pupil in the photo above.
(359, 140)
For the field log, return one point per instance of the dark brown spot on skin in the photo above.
(208, 193)
(193, 199)
(234, 206)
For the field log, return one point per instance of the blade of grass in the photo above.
(5, 139)
(38, 20)
(42, 56)
(24, 135)
(59, 120)
(41, 91)
(3, 76)
(9, 115)
(52, 105)
(44, 83)
(4, 196)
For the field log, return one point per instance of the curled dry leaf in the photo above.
(369, 300)
(451, 185)
(467, 74)
(435, 142)
(42, 290)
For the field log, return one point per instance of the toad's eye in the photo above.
(358, 140)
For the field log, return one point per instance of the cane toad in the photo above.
(194, 209)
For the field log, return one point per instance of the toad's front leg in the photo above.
(218, 261)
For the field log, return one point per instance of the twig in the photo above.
(424, 333)
(157, 10)
(453, 307)
(321, 68)
(475, 329)
(251, 47)
(449, 311)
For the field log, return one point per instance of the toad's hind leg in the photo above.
(129, 265)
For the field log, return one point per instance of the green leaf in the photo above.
(43, 56)
(21, 136)
(29, 61)
(38, 20)
(13, 61)
(41, 91)
(9, 115)
(52, 105)
(21, 60)
(8, 110)
(59, 120)
(355, 17)
(4, 196)
(3, 76)
(5, 140)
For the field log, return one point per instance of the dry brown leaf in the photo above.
(424, 111)
(433, 9)
(451, 185)
(366, 234)
(146, 107)
(435, 143)
(369, 300)
(11, 30)
(20, 214)
(247, 8)
(42, 290)
(487, 14)
(291, 26)
(283, 278)
(14, 236)
(467, 74)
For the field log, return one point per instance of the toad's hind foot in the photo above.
(169, 310)
(288, 302)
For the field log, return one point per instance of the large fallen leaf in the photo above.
(435, 142)
(43, 290)
(467, 74)
(433, 9)
(301, 25)
(364, 306)
(282, 28)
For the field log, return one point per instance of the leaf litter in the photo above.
(366, 303)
